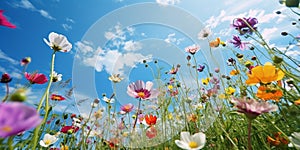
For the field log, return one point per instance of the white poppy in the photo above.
(48, 140)
(191, 142)
(56, 77)
(58, 42)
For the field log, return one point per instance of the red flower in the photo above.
(150, 119)
(69, 129)
(5, 78)
(57, 97)
(4, 21)
(151, 132)
(36, 78)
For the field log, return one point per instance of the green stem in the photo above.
(7, 92)
(137, 113)
(10, 143)
(45, 95)
(249, 134)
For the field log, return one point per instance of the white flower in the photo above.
(204, 33)
(58, 42)
(188, 142)
(295, 140)
(108, 100)
(48, 140)
(115, 78)
(56, 77)
(76, 122)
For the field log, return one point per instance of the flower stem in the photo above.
(137, 113)
(249, 134)
(45, 95)
(7, 92)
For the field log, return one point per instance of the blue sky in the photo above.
(113, 36)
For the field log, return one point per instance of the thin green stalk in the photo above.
(7, 92)
(46, 94)
(249, 134)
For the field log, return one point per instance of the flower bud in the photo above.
(5, 78)
(19, 95)
(277, 59)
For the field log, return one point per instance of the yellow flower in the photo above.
(222, 96)
(297, 102)
(205, 81)
(170, 87)
(230, 90)
(264, 74)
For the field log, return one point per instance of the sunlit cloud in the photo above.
(172, 39)
(167, 2)
(132, 45)
(7, 58)
(66, 26)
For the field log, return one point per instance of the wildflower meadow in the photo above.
(221, 91)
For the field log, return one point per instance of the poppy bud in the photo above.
(277, 59)
(19, 95)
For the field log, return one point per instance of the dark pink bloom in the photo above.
(253, 108)
(69, 129)
(16, 117)
(201, 68)
(4, 21)
(141, 90)
(36, 78)
(237, 42)
(127, 108)
(5, 78)
(243, 25)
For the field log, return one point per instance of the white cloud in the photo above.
(167, 2)
(70, 20)
(132, 45)
(26, 4)
(66, 26)
(269, 33)
(172, 39)
(7, 58)
(46, 14)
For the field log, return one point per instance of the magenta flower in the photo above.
(4, 21)
(192, 49)
(253, 108)
(5, 78)
(201, 68)
(237, 42)
(243, 25)
(36, 78)
(16, 117)
(141, 90)
(126, 108)
(25, 61)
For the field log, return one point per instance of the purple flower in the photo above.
(237, 42)
(243, 25)
(201, 68)
(16, 117)
(138, 89)
(253, 108)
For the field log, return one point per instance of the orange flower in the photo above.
(278, 140)
(192, 118)
(56, 97)
(264, 74)
(269, 93)
(150, 119)
(215, 43)
(234, 72)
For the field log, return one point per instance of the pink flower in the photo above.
(138, 89)
(4, 21)
(151, 132)
(126, 108)
(36, 78)
(192, 49)
(253, 108)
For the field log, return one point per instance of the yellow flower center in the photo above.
(193, 144)
(6, 128)
(141, 94)
(47, 142)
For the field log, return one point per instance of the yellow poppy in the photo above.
(234, 72)
(297, 102)
(230, 90)
(205, 81)
(264, 74)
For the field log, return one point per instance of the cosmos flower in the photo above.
(204, 33)
(191, 142)
(115, 78)
(5, 78)
(150, 119)
(174, 70)
(4, 21)
(243, 25)
(16, 117)
(127, 108)
(56, 77)
(269, 93)
(264, 74)
(36, 78)
(58, 42)
(278, 140)
(216, 43)
(229, 90)
(201, 68)
(56, 97)
(252, 108)
(25, 61)
(237, 42)
(151, 132)
(108, 100)
(48, 140)
(192, 49)
(141, 90)
(69, 129)
(205, 81)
